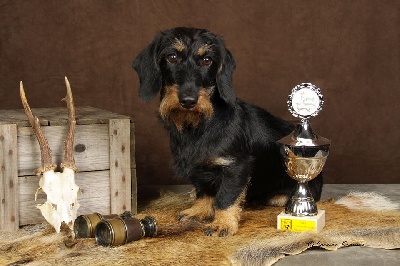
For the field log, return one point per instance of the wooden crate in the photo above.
(104, 149)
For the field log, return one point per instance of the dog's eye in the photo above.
(206, 61)
(172, 58)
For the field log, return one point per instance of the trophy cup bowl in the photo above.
(303, 169)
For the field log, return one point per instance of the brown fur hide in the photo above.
(257, 241)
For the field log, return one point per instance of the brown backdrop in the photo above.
(350, 49)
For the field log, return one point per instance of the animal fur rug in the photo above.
(363, 219)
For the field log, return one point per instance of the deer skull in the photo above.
(60, 188)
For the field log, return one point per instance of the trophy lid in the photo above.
(305, 101)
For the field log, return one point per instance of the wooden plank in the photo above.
(133, 150)
(134, 193)
(59, 116)
(120, 166)
(90, 115)
(9, 216)
(12, 117)
(91, 147)
(94, 195)
(2, 185)
(133, 170)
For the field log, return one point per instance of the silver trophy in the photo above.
(304, 152)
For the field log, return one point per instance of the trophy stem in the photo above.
(301, 202)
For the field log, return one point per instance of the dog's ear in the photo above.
(224, 76)
(147, 66)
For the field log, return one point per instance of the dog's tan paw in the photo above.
(221, 230)
(202, 209)
(226, 222)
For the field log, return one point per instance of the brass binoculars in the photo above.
(114, 230)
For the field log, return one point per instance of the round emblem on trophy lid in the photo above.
(305, 100)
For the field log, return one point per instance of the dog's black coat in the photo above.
(243, 135)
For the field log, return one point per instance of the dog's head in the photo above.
(189, 68)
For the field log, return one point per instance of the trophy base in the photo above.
(287, 222)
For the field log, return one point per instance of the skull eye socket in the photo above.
(206, 61)
(172, 58)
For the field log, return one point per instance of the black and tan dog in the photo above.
(226, 147)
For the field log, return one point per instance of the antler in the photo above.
(60, 188)
(45, 151)
(69, 142)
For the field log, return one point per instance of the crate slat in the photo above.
(120, 170)
(9, 217)
(91, 147)
(133, 171)
(59, 116)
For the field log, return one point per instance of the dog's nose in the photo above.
(188, 102)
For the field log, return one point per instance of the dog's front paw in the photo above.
(226, 222)
(221, 229)
(202, 210)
